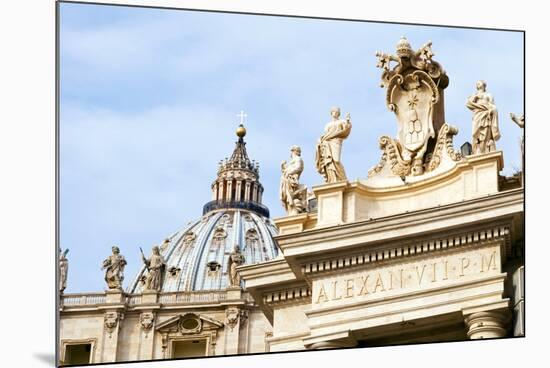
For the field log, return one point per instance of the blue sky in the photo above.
(149, 100)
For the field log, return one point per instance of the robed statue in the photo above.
(291, 193)
(236, 258)
(155, 266)
(114, 269)
(520, 121)
(63, 269)
(328, 152)
(485, 130)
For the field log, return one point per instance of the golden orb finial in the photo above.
(241, 131)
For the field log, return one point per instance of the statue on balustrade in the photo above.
(63, 269)
(155, 267)
(114, 269)
(291, 193)
(236, 258)
(328, 152)
(520, 121)
(485, 130)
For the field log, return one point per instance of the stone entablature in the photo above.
(408, 250)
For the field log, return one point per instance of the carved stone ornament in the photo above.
(189, 324)
(188, 239)
(232, 315)
(219, 236)
(227, 219)
(414, 88)
(251, 237)
(165, 244)
(111, 320)
(146, 321)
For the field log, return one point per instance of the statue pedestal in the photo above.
(149, 297)
(114, 296)
(330, 203)
(233, 293)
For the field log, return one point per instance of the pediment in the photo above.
(189, 323)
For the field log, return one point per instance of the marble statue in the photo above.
(155, 267)
(328, 152)
(114, 266)
(485, 130)
(520, 121)
(236, 258)
(63, 269)
(291, 193)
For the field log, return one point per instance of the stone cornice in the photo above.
(438, 219)
(289, 295)
(273, 272)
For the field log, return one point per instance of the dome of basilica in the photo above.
(198, 256)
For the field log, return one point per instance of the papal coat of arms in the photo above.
(414, 92)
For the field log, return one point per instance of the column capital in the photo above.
(487, 325)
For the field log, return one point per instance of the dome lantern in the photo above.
(237, 184)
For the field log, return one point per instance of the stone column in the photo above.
(247, 191)
(220, 190)
(332, 345)
(238, 187)
(486, 325)
(260, 192)
(229, 186)
(214, 191)
(255, 193)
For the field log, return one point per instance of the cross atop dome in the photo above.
(242, 115)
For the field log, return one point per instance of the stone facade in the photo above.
(129, 327)
(428, 247)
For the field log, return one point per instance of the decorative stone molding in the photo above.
(188, 239)
(390, 156)
(251, 237)
(444, 145)
(232, 315)
(289, 295)
(189, 323)
(219, 236)
(146, 321)
(67, 342)
(111, 321)
(492, 234)
(487, 325)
